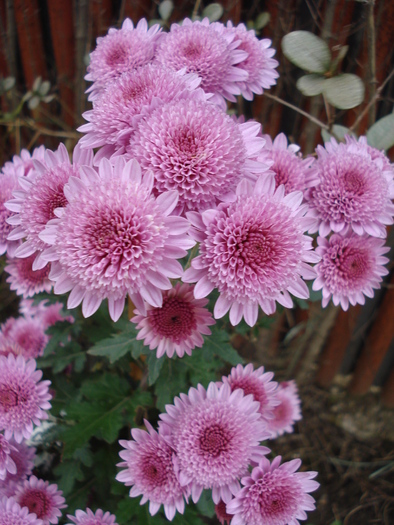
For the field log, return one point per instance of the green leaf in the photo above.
(8, 83)
(307, 51)
(337, 131)
(165, 9)
(69, 473)
(205, 504)
(154, 367)
(213, 12)
(115, 347)
(345, 91)
(218, 344)
(262, 20)
(106, 387)
(311, 85)
(171, 382)
(381, 134)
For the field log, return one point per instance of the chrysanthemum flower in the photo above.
(295, 173)
(129, 98)
(259, 64)
(23, 457)
(23, 397)
(7, 464)
(354, 192)
(215, 434)
(253, 251)
(258, 383)
(27, 333)
(11, 513)
(351, 267)
(114, 238)
(24, 280)
(288, 411)
(150, 470)
(8, 183)
(274, 494)
(208, 50)
(40, 194)
(92, 518)
(177, 326)
(121, 50)
(47, 314)
(194, 147)
(21, 165)
(42, 498)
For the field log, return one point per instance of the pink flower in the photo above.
(27, 333)
(351, 267)
(24, 280)
(22, 164)
(7, 464)
(8, 183)
(259, 64)
(39, 196)
(194, 147)
(23, 458)
(355, 191)
(253, 251)
(221, 513)
(176, 326)
(114, 238)
(43, 312)
(255, 382)
(92, 518)
(42, 498)
(215, 434)
(208, 50)
(274, 494)
(121, 50)
(23, 397)
(11, 513)
(150, 470)
(288, 411)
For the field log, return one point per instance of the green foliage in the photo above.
(381, 134)
(337, 131)
(307, 51)
(213, 11)
(344, 91)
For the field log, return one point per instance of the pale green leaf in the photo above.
(33, 102)
(307, 51)
(337, 131)
(262, 20)
(8, 83)
(165, 9)
(381, 134)
(311, 85)
(36, 84)
(345, 91)
(213, 12)
(44, 88)
(116, 346)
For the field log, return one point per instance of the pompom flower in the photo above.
(253, 251)
(8, 183)
(258, 383)
(149, 463)
(351, 267)
(259, 64)
(195, 148)
(24, 280)
(177, 326)
(11, 513)
(208, 50)
(21, 165)
(23, 458)
(39, 196)
(354, 192)
(42, 498)
(7, 464)
(92, 518)
(274, 494)
(215, 434)
(288, 411)
(114, 238)
(23, 397)
(27, 333)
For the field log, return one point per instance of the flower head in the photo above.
(177, 325)
(274, 494)
(253, 251)
(7, 464)
(92, 518)
(23, 458)
(41, 498)
(26, 281)
(288, 411)
(125, 241)
(23, 397)
(351, 267)
(151, 473)
(215, 434)
(11, 513)
(8, 183)
(21, 165)
(27, 333)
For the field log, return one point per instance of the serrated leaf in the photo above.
(213, 12)
(115, 347)
(205, 504)
(337, 131)
(171, 382)
(381, 134)
(154, 367)
(218, 344)
(69, 473)
(106, 387)
(262, 20)
(344, 91)
(311, 85)
(165, 9)
(307, 51)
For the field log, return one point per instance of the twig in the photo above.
(42, 131)
(196, 8)
(302, 112)
(371, 60)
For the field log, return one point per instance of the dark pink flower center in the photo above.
(117, 56)
(36, 501)
(221, 513)
(250, 387)
(27, 273)
(354, 182)
(257, 248)
(214, 441)
(175, 319)
(9, 398)
(275, 495)
(192, 50)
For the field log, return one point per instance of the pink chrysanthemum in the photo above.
(121, 50)
(7, 464)
(194, 147)
(130, 97)
(11, 513)
(21, 165)
(208, 50)
(253, 251)
(259, 64)
(27, 333)
(23, 458)
(177, 326)
(125, 241)
(351, 267)
(26, 281)
(8, 183)
(288, 411)
(274, 494)
(42, 498)
(92, 518)
(354, 192)
(215, 434)
(258, 383)
(23, 397)
(39, 196)
(43, 312)
(295, 173)
(150, 470)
